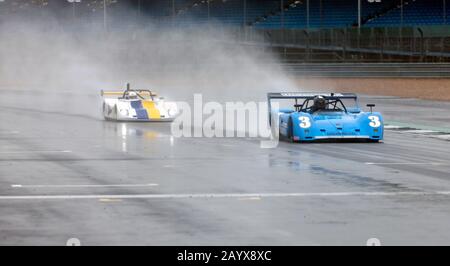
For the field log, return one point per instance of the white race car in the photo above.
(137, 105)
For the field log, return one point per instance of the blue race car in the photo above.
(319, 116)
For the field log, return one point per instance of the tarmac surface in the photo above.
(65, 175)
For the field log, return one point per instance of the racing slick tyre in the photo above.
(289, 137)
(116, 111)
(290, 132)
(105, 113)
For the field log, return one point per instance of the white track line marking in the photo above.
(420, 131)
(407, 163)
(444, 137)
(213, 195)
(21, 152)
(82, 186)
(9, 132)
(250, 198)
(110, 200)
(392, 127)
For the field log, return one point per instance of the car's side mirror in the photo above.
(370, 105)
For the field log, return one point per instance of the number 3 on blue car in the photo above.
(319, 116)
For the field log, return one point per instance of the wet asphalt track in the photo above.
(201, 191)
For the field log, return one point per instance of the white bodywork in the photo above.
(122, 110)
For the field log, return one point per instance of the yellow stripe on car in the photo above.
(152, 111)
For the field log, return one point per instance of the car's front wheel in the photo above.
(116, 113)
(290, 130)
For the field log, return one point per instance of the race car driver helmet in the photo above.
(132, 95)
(319, 103)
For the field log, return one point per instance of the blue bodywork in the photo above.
(299, 124)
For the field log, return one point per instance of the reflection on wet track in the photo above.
(134, 183)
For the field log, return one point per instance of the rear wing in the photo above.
(305, 96)
(111, 93)
(141, 93)
(122, 93)
(309, 95)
